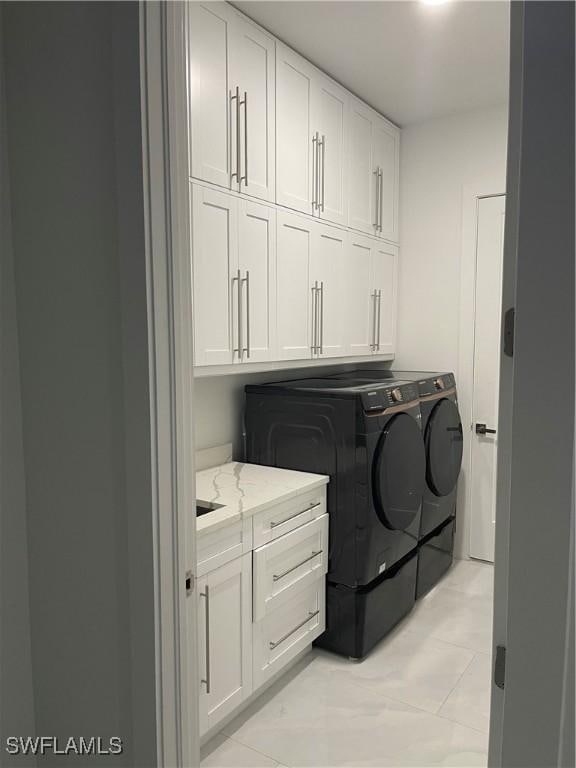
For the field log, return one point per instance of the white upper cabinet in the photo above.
(360, 299)
(257, 264)
(234, 246)
(311, 113)
(385, 282)
(362, 178)
(386, 159)
(329, 122)
(327, 275)
(209, 121)
(294, 203)
(374, 153)
(311, 289)
(232, 92)
(295, 151)
(295, 294)
(371, 288)
(215, 265)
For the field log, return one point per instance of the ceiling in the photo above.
(410, 60)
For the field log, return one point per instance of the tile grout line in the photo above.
(456, 685)
(258, 751)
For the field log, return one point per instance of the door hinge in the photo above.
(189, 583)
(509, 332)
(500, 667)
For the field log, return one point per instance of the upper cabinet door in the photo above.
(362, 176)
(385, 281)
(295, 151)
(294, 289)
(209, 31)
(257, 262)
(252, 71)
(215, 270)
(360, 296)
(386, 155)
(327, 268)
(330, 121)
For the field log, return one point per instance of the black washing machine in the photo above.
(367, 437)
(443, 439)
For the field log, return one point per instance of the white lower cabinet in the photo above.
(289, 563)
(258, 610)
(224, 639)
(287, 630)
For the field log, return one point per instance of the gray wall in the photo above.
(534, 567)
(74, 143)
(16, 695)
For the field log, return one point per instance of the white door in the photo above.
(224, 639)
(252, 71)
(257, 263)
(327, 269)
(488, 301)
(329, 119)
(360, 296)
(294, 296)
(385, 158)
(385, 282)
(210, 26)
(362, 180)
(215, 269)
(294, 148)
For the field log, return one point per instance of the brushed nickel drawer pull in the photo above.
(286, 519)
(287, 635)
(208, 679)
(277, 577)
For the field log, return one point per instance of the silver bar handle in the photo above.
(377, 204)
(207, 680)
(311, 615)
(373, 313)
(314, 345)
(379, 317)
(317, 170)
(247, 347)
(235, 97)
(314, 166)
(314, 505)
(244, 103)
(238, 349)
(321, 312)
(380, 196)
(323, 170)
(277, 577)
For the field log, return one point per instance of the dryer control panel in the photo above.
(381, 398)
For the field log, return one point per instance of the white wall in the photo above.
(438, 159)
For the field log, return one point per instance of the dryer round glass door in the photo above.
(443, 447)
(399, 472)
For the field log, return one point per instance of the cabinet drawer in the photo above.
(287, 630)
(291, 514)
(222, 545)
(288, 564)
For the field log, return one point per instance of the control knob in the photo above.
(439, 383)
(397, 395)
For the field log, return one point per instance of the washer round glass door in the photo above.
(399, 472)
(443, 447)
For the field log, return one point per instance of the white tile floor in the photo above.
(421, 698)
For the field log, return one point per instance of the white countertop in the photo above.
(244, 489)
